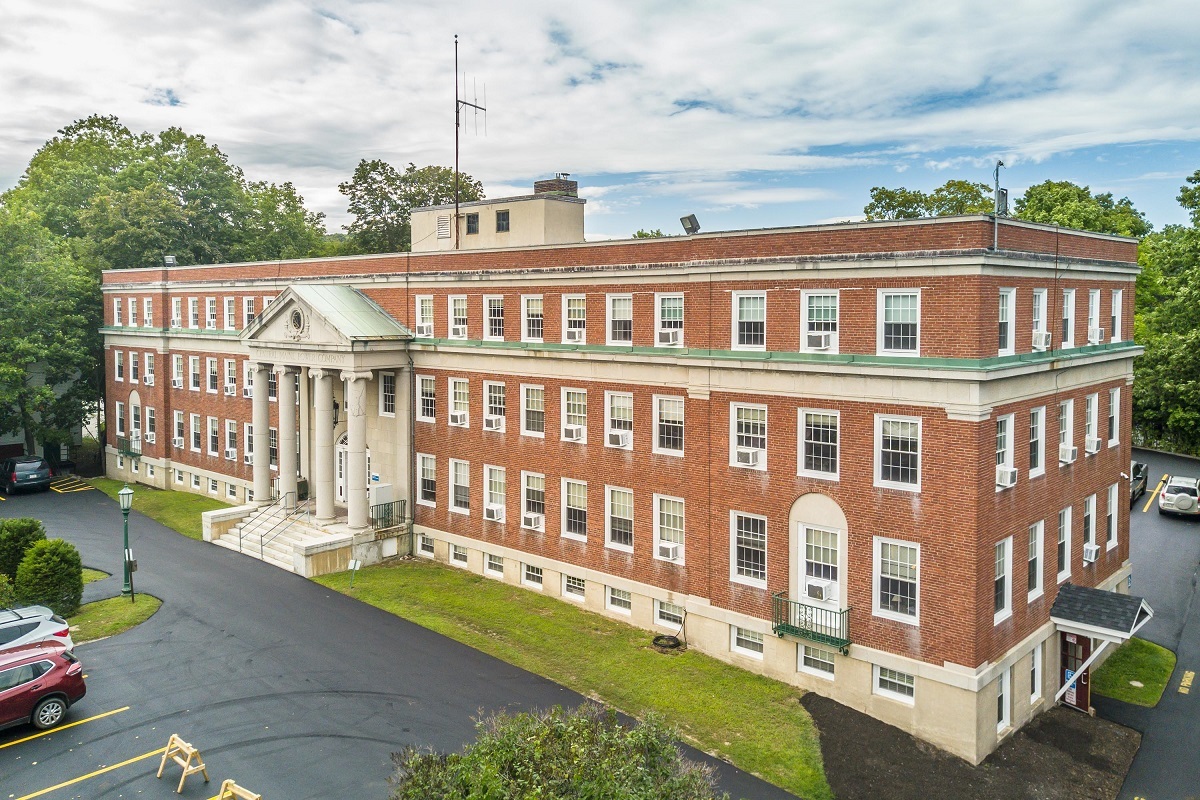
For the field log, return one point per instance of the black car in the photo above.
(25, 472)
(1137, 480)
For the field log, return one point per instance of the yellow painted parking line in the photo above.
(1154, 494)
(64, 727)
(1185, 685)
(158, 751)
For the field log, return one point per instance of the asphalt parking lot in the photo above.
(290, 689)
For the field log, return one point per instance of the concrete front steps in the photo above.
(271, 534)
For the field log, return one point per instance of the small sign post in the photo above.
(130, 568)
(355, 565)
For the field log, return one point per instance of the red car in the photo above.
(38, 683)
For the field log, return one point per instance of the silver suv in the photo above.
(1179, 496)
(20, 626)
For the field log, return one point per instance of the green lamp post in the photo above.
(126, 498)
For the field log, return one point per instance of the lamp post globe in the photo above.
(125, 496)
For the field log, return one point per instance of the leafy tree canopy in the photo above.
(382, 199)
(642, 233)
(1189, 196)
(952, 197)
(1073, 206)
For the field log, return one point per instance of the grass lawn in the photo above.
(179, 511)
(112, 616)
(1136, 660)
(755, 722)
(90, 575)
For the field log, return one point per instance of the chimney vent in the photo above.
(559, 185)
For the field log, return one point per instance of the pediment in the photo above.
(322, 317)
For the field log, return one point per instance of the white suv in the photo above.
(1179, 496)
(19, 626)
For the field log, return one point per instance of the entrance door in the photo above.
(1076, 649)
(341, 459)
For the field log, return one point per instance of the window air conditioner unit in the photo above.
(247, 392)
(493, 513)
(573, 433)
(177, 441)
(1092, 444)
(148, 379)
(425, 329)
(575, 334)
(1067, 454)
(176, 322)
(535, 521)
(618, 438)
(230, 389)
(493, 422)
(670, 336)
(149, 437)
(748, 456)
(1095, 335)
(177, 383)
(230, 454)
(818, 341)
(1006, 477)
(819, 590)
(1041, 340)
(459, 417)
(248, 458)
(459, 331)
(668, 550)
(1090, 553)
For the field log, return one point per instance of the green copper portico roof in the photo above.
(351, 312)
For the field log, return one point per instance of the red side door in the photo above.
(17, 701)
(1076, 649)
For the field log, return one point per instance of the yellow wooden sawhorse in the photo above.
(182, 754)
(231, 791)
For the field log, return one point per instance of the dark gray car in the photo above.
(25, 472)
(1138, 473)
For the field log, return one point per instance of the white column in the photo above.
(357, 509)
(322, 465)
(306, 404)
(260, 419)
(286, 388)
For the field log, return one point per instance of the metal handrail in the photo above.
(129, 445)
(823, 625)
(387, 515)
(262, 519)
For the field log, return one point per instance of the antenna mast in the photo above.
(458, 107)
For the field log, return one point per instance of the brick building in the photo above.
(859, 458)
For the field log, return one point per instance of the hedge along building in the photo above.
(862, 459)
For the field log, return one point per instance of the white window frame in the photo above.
(383, 395)
(490, 471)
(1089, 519)
(608, 518)
(1039, 312)
(194, 313)
(802, 532)
(1004, 700)
(609, 396)
(733, 436)
(533, 576)
(419, 306)
(568, 588)
(248, 312)
(1066, 425)
(231, 373)
(1005, 423)
(210, 313)
(1007, 315)
(659, 297)
(881, 691)
(658, 538)
(212, 376)
(455, 387)
(805, 322)
(734, 575)
(176, 312)
(230, 313)
(609, 319)
(880, 305)
(1111, 522)
(562, 417)
(487, 405)
(887, 484)
(1035, 673)
(525, 301)
(1037, 545)
(422, 460)
(420, 410)
(1003, 550)
(525, 431)
(118, 312)
(212, 430)
(736, 632)
(135, 367)
(489, 568)
(565, 504)
(660, 610)
(655, 448)
(133, 317)
(487, 318)
(1114, 416)
(248, 439)
(452, 319)
(566, 317)
(231, 442)
(119, 362)
(195, 382)
(611, 597)
(525, 476)
(1093, 312)
(457, 550)
(195, 433)
(1039, 414)
(877, 564)
(1063, 524)
(119, 413)
(147, 312)
(1068, 317)
(735, 319)
(455, 508)
(1118, 301)
(802, 444)
(802, 650)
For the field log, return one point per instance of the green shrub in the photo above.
(51, 574)
(8, 597)
(16, 537)
(581, 753)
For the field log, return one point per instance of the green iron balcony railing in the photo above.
(387, 515)
(822, 625)
(129, 446)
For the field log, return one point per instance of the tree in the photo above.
(381, 199)
(51, 574)
(276, 225)
(1073, 206)
(16, 537)
(642, 233)
(1189, 196)
(582, 753)
(952, 197)
(8, 596)
(51, 308)
(895, 203)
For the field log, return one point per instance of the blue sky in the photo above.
(748, 115)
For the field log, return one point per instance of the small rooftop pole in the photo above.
(458, 106)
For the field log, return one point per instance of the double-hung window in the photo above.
(177, 371)
(618, 420)
(119, 363)
(273, 448)
(820, 563)
(532, 318)
(899, 313)
(180, 433)
(135, 371)
(231, 438)
(1095, 332)
(668, 425)
(533, 500)
(272, 386)
(248, 313)
(387, 394)
(574, 319)
(620, 319)
(230, 313)
(120, 415)
(424, 315)
(149, 369)
(574, 415)
(1114, 318)
(213, 376)
(1114, 411)
(231, 372)
(176, 312)
(493, 323)
(749, 320)
(427, 480)
(248, 438)
(820, 322)
(1007, 319)
(1068, 318)
(574, 522)
(1005, 473)
(147, 312)
(668, 528)
(748, 436)
(533, 411)
(669, 323)
(1037, 440)
(898, 452)
(133, 317)
(1033, 574)
(1091, 433)
(197, 435)
(427, 407)
(118, 312)
(194, 369)
(193, 312)
(210, 313)
(214, 436)
(748, 549)
(494, 406)
(1063, 548)
(1002, 581)
(151, 432)
(618, 523)
(1039, 319)
(460, 486)
(495, 485)
(1110, 518)
(745, 641)
(818, 438)
(1066, 431)
(897, 577)
(460, 402)
(1089, 519)
(458, 317)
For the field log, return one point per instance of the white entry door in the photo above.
(341, 451)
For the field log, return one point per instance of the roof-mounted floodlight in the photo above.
(690, 225)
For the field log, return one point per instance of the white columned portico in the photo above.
(260, 419)
(286, 388)
(323, 448)
(357, 509)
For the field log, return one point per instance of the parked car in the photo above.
(1138, 472)
(25, 472)
(1179, 496)
(38, 683)
(22, 626)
